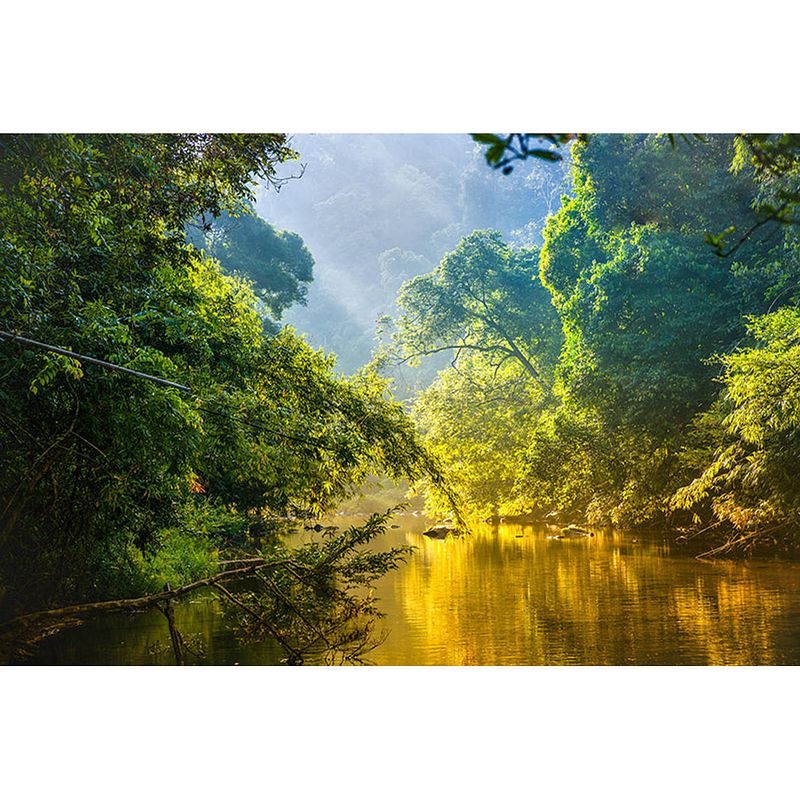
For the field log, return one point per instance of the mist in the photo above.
(376, 210)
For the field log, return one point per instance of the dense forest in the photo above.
(133, 250)
(594, 329)
(638, 367)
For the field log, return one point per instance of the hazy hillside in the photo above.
(376, 210)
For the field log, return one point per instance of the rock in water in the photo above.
(573, 532)
(441, 532)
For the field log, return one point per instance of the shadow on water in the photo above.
(510, 595)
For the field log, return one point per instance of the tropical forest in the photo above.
(407, 399)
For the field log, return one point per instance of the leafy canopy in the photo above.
(108, 484)
(485, 298)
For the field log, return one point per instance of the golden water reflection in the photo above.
(509, 595)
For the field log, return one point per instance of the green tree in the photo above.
(484, 298)
(477, 419)
(485, 306)
(277, 262)
(111, 486)
(751, 439)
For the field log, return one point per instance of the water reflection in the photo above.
(509, 595)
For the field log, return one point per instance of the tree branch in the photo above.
(17, 634)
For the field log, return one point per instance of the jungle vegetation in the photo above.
(624, 353)
(142, 251)
(644, 371)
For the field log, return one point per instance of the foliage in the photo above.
(749, 476)
(685, 188)
(474, 418)
(108, 484)
(646, 304)
(277, 262)
(773, 161)
(311, 598)
(576, 465)
(647, 316)
(502, 151)
(485, 306)
(483, 298)
(641, 327)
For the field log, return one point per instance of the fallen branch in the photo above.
(20, 633)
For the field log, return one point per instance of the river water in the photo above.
(508, 595)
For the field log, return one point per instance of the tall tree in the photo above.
(485, 298)
(277, 262)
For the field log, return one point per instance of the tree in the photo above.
(486, 307)
(477, 419)
(772, 160)
(641, 325)
(111, 486)
(277, 262)
(751, 444)
(483, 298)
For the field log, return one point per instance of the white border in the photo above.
(411, 67)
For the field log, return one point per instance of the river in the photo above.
(509, 595)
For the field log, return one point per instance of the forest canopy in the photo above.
(670, 273)
(111, 486)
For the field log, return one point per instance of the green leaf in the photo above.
(547, 155)
(486, 138)
(495, 152)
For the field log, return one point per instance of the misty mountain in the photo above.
(376, 210)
